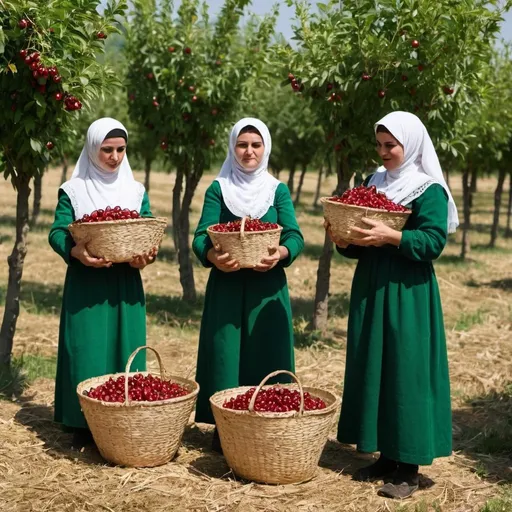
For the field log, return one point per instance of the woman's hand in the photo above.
(276, 254)
(144, 259)
(222, 261)
(80, 252)
(338, 241)
(378, 235)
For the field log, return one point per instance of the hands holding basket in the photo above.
(378, 234)
(223, 260)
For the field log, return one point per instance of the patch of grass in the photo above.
(468, 320)
(502, 503)
(23, 371)
(422, 506)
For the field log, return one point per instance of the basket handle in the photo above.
(273, 374)
(129, 363)
(242, 228)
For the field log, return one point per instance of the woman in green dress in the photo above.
(246, 328)
(396, 397)
(103, 316)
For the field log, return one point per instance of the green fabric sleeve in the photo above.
(291, 236)
(145, 207)
(430, 213)
(209, 216)
(59, 237)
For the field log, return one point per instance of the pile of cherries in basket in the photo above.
(250, 225)
(274, 399)
(141, 388)
(115, 213)
(369, 198)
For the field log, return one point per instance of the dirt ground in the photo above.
(39, 470)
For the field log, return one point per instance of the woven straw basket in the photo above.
(343, 217)
(247, 247)
(120, 240)
(274, 448)
(138, 434)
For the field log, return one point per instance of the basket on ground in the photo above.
(343, 217)
(138, 434)
(120, 240)
(274, 448)
(247, 247)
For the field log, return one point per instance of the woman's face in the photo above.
(249, 150)
(112, 152)
(390, 151)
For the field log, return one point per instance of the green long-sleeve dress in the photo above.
(103, 318)
(246, 328)
(396, 396)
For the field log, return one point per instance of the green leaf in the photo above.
(36, 145)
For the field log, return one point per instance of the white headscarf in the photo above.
(420, 168)
(90, 187)
(248, 193)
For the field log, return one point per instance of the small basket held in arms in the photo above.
(274, 448)
(343, 217)
(247, 247)
(138, 434)
(119, 241)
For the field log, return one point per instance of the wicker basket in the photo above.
(274, 448)
(119, 241)
(343, 217)
(247, 247)
(138, 434)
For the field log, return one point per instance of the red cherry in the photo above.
(421, 67)
(290, 76)
(57, 79)
(155, 103)
(50, 145)
(171, 49)
(212, 142)
(448, 90)
(14, 107)
(405, 78)
(381, 93)
(194, 98)
(101, 35)
(191, 88)
(366, 77)
(23, 54)
(34, 57)
(23, 24)
(34, 65)
(150, 76)
(187, 50)
(415, 43)
(164, 145)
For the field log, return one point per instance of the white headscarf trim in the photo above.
(248, 193)
(420, 168)
(91, 188)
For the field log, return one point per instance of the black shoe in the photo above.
(216, 446)
(405, 483)
(377, 471)
(82, 437)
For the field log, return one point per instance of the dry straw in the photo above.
(343, 217)
(274, 448)
(138, 434)
(247, 247)
(120, 240)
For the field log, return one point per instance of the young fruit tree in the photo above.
(358, 60)
(49, 71)
(201, 75)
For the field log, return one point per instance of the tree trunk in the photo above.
(447, 178)
(318, 186)
(290, 178)
(301, 183)
(474, 180)
(65, 165)
(508, 231)
(323, 275)
(184, 257)
(497, 206)
(147, 171)
(15, 261)
(36, 207)
(466, 197)
(176, 206)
